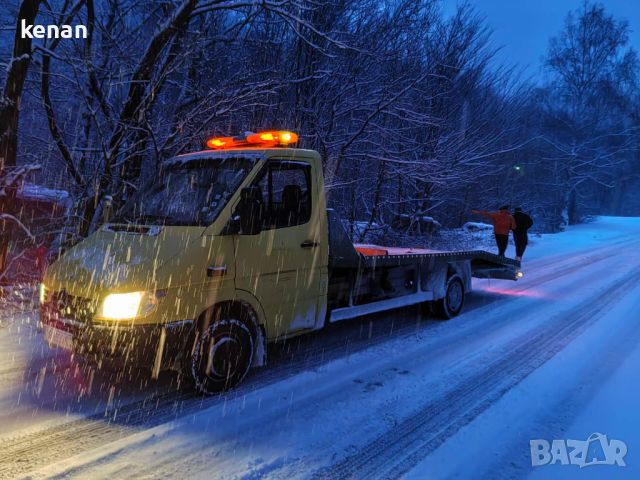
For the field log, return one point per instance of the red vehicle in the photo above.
(44, 212)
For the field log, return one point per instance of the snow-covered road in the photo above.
(554, 356)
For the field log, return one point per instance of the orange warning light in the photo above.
(220, 142)
(282, 138)
(276, 138)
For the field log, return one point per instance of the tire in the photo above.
(451, 304)
(222, 356)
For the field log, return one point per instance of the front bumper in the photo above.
(154, 345)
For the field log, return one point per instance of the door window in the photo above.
(286, 189)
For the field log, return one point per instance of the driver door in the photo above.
(281, 265)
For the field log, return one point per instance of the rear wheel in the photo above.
(451, 304)
(222, 355)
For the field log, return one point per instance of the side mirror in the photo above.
(249, 212)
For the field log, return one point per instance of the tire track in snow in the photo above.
(397, 450)
(39, 448)
(613, 243)
(559, 415)
(21, 454)
(180, 463)
(568, 265)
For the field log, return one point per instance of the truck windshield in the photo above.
(189, 193)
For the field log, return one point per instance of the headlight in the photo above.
(126, 306)
(42, 292)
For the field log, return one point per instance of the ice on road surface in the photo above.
(553, 356)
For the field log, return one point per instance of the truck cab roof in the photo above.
(257, 153)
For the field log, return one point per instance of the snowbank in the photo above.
(477, 227)
(40, 193)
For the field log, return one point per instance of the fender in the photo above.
(258, 318)
(463, 270)
(260, 325)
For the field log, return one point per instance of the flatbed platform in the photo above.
(343, 253)
(483, 264)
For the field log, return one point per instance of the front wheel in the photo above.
(222, 356)
(451, 304)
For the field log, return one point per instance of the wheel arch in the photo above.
(245, 311)
(463, 270)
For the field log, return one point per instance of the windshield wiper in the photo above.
(142, 219)
(153, 218)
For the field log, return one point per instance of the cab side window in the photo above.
(286, 187)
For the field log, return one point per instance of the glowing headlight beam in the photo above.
(127, 306)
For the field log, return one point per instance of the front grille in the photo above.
(70, 307)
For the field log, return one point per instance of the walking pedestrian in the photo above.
(520, 233)
(503, 222)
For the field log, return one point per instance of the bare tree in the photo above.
(409, 108)
(588, 136)
(9, 114)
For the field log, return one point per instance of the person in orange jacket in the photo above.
(503, 223)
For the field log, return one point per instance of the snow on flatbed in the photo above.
(552, 356)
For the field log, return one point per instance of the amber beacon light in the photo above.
(220, 142)
(276, 138)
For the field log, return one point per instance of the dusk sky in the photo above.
(523, 27)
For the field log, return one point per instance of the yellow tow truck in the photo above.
(227, 250)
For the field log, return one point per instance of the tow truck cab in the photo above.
(223, 252)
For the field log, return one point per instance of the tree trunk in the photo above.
(12, 92)
(572, 208)
(10, 111)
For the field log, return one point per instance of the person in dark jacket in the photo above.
(503, 222)
(520, 235)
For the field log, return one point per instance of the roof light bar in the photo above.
(275, 138)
